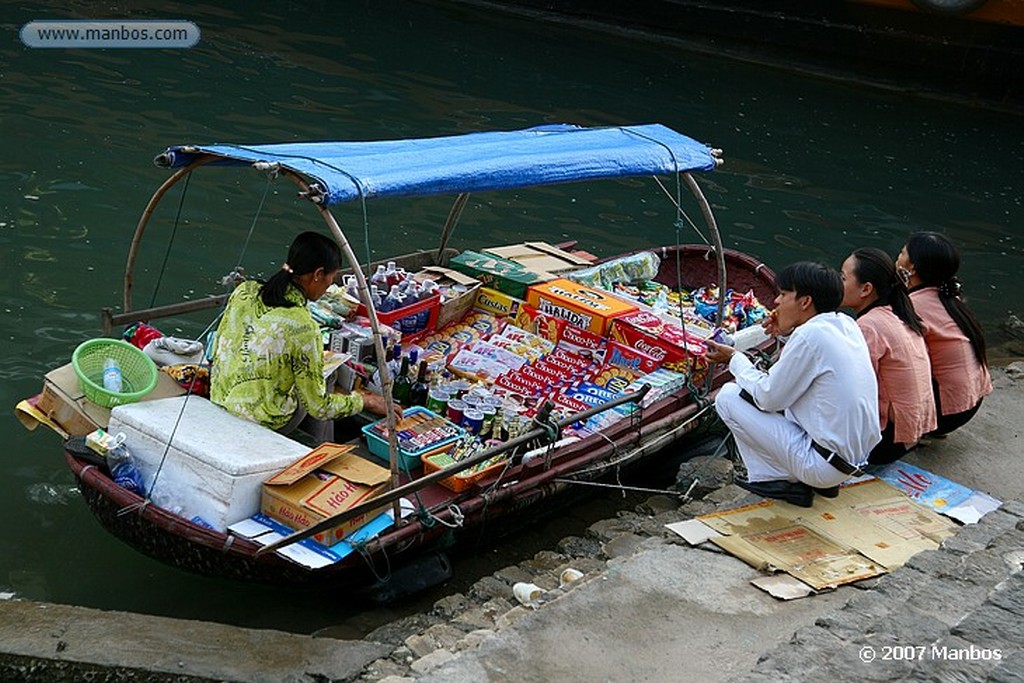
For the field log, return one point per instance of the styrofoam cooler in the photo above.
(216, 463)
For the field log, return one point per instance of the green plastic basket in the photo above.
(138, 371)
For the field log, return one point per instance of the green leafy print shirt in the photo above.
(269, 360)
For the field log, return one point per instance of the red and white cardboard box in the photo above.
(676, 348)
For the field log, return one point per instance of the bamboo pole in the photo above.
(371, 313)
(394, 495)
(140, 228)
(716, 238)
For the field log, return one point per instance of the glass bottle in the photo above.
(401, 385)
(420, 388)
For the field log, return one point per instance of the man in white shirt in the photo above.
(808, 423)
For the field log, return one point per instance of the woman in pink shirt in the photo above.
(895, 338)
(928, 264)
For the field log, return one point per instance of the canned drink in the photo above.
(456, 407)
(437, 401)
(487, 427)
(480, 393)
(525, 423)
(472, 420)
(472, 400)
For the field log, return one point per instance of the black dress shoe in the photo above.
(794, 492)
(831, 492)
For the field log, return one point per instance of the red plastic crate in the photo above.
(395, 318)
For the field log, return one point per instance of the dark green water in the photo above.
(812, 170)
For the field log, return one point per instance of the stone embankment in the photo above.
(955, 613)
(462, 621)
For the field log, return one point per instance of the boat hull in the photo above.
(520, 493)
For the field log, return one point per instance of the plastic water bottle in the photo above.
(379, 278)
(112, 380)
(394, 300)
(123, 470)
(391, 274)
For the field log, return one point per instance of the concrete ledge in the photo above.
(56, 643)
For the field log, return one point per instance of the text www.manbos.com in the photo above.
(110, 33)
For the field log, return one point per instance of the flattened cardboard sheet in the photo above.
(870, 529)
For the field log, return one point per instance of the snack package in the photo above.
(541, 324)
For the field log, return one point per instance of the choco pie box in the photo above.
(325, 482)
(668, 342)
(588, 308)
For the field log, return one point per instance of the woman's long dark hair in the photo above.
(936, 262)
(309, 251)
(875, 266)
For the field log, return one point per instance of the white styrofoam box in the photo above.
(216, 462)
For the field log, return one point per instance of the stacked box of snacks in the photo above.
(492, 369)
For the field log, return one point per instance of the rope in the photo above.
(636, 451)
(457, 517)
(170, 243)
(163, 458)
(621, 487)
(255, 219)
(188, 394)
(366, 230)
(362, 547)
(681, 213)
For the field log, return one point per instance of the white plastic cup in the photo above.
(527, 593)
(569, 576)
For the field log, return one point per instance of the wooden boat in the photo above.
(463, 163)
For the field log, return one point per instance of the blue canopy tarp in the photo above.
(543, 155)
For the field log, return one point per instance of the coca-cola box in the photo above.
(676, 348)
(325, 482)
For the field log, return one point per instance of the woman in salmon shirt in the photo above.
(928, 264)
(895, 338)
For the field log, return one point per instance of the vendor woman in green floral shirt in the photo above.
(269, 358)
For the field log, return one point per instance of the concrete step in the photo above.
(58, 643)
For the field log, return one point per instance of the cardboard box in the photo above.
(325, 482)
(541, 257)
(587, 308)
(544, 325)
(453, 308)
(498, 273)
(497, 303)
(676, 349)
(63, 402)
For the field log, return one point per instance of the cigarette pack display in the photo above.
(420, 432)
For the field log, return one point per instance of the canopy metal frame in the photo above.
(309, 191)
